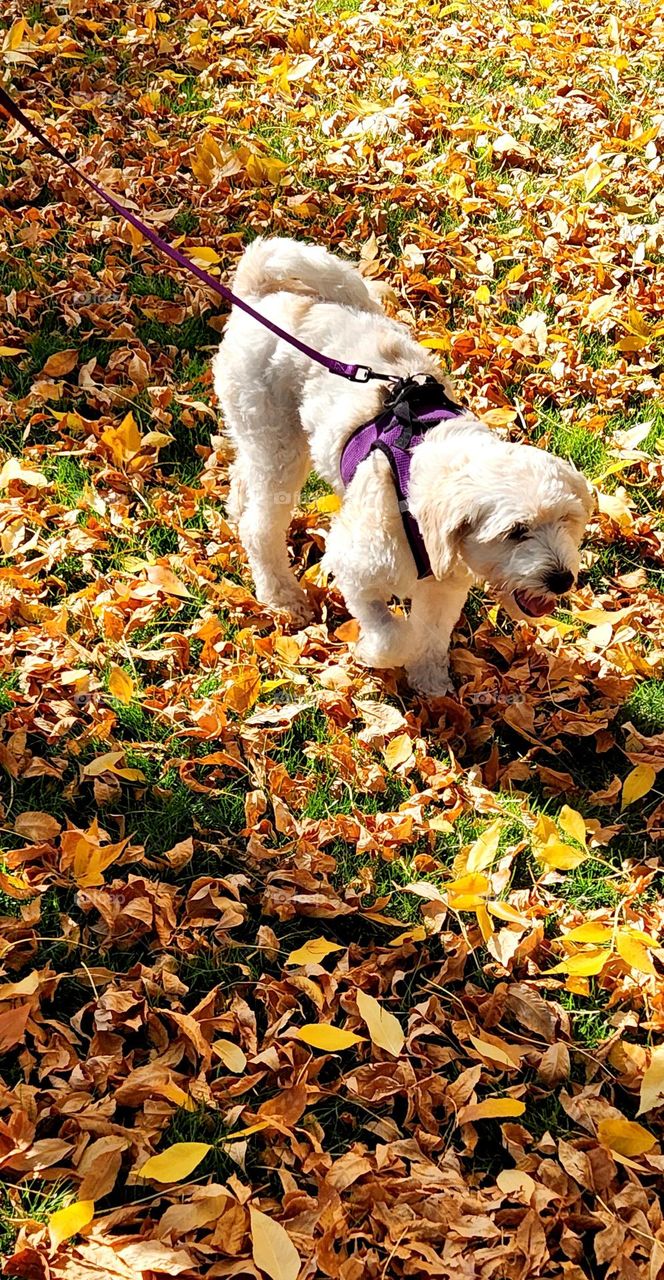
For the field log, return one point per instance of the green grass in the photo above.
(69, 479)
(590, 1027)
(596, 350)
(336, 7)
(586, 449)
(35, 1200)
(588, 887)
(645, 707)
(375, 877)
(314, 487)
(167, 811)
(8, 684)
(311, 726)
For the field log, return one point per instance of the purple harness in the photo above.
(412, 408)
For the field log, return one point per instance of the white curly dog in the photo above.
(508, 514)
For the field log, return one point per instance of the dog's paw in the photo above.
(296, 605)
(430, 677)
(379, 652)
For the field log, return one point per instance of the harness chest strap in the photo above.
(413, 408)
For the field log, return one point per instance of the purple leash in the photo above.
(353, 372)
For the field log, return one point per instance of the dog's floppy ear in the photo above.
(445, 522)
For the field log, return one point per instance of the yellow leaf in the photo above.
(320, 1035)
(572, 824)
(491, 1109)
(516, 1184)
(503, 911)
(67, 1222)
(12, 351)
(273, 1250)
(474, 885)
(493, 1052)
(328, 504)
(483, 294)
(169, 1089)
(417, 934)
(652, 1085)
(584, 965)
(625, 1136)
(545, 829)
(457, 186)
(637, 784)
(313, 951)
(245, 1133)
(559, 856)
(634, 954)
(593, 931)
(231, 1055)
(120, 685)
(202, 253)
(485, 922)
(639, 936)
(398, 751)
(244, 690)
(596, 616)
(384, 1029)
(485, 848)
(123, 441)
(176, 1162)
(592, 177)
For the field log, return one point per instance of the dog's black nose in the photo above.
(560, 581)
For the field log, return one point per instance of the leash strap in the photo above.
(353, 372)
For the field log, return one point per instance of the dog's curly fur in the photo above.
(509, 514)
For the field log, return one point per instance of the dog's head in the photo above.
(513, 517)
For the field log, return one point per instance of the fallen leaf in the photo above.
(37, 826)
(637, 784)
(625, 1136)
(120, 685)
(67, 1222)
(320, 1035)
(231, 1055)
(313, 951)
(273, 1250)
(384, 1029)
(483, 852)
(491, 1109)
(634, 954)
(516, 1184)
(176, 1162)
(652, 1084)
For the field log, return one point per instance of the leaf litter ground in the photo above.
(301, 975)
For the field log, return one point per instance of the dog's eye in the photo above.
(518, 532)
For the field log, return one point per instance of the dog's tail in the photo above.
(281, 265)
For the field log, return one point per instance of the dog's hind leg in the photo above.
(265, 498)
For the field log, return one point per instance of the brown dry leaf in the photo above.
(37, 826)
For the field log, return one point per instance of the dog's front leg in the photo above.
(383, 640)
(436, 607)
